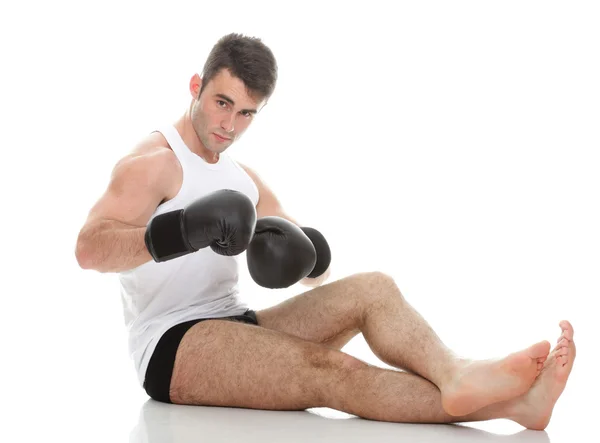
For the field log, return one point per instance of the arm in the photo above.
(112, 238)
(268, 205)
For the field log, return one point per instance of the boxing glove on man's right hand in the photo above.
(224, 220)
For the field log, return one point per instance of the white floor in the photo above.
(177, 424)
(151, 422)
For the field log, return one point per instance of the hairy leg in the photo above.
(371, 303)
(331, 314)
(225, 363)
(532, 410)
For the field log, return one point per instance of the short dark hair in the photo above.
(246, 58)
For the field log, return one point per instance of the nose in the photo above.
(227, 122)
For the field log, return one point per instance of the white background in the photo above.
(453, 145)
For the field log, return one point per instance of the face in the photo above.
(223, 112)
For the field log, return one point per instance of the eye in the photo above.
(221, 103)
(247, 114)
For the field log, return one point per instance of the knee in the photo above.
(378, 283)
(351, 363)
(328, 359)
(382, 277)
(373, 276)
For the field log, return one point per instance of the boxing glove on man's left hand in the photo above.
(224, 220)
(281, 253)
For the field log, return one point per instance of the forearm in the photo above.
(111, 246)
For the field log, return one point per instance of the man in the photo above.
(177, 213)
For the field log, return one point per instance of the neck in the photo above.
(190, 138)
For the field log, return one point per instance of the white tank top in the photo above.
(203, 284)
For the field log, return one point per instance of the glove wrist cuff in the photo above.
(165, 237)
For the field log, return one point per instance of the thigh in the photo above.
(331, 314)
(160, 368)
(224, 363)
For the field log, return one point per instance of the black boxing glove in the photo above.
(223, 220)
(280, 253)
(322, 249)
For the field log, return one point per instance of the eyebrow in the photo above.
(230, 101)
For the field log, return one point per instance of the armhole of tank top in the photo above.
(245, 174)
(178, 154)
(256, 193)
(182, 189)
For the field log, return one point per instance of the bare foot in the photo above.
(534, 409)
(479, 383)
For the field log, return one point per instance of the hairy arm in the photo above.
(268, 205)
(112, 238)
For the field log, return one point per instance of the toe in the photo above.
(567, 329)
(540, 350)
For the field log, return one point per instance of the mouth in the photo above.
(220, 138)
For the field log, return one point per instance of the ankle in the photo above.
(455, 368)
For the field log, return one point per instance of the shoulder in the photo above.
(251, 172)
(152, 151)
(152, 161)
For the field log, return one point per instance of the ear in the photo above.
(195, 85)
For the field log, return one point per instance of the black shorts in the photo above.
(160, 368)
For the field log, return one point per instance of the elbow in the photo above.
(83, 255)
(316, 281)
